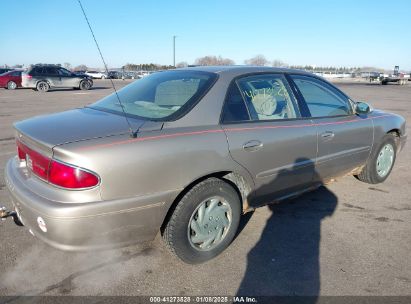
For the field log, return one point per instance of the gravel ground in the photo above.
(348, 238)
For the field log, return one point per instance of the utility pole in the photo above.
(174, 50)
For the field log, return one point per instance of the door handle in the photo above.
(252, 145)
(327, 135)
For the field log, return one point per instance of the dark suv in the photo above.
(44, 77)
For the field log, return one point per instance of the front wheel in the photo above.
(84, 85)
(381, 161)
(204, 222)
(11, 85)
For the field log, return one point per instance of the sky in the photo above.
(311, 32)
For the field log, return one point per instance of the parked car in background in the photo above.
(43, 77)
(97, 75)
(79, 72)
(10, 80)
(4, 70)
(206, 144)
(114, 75)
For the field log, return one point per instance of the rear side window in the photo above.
(267, 97)
(322, 100)
(51, 71)
(235, 109)
(37, 71)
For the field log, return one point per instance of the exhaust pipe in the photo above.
(4, 214)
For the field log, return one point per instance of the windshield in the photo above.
(160, 96)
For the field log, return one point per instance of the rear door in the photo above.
(53, 76)
(344, 139)
(267, 135)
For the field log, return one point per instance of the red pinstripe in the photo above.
(223, 130)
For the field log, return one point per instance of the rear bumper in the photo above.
(85, 226)
(28, 83)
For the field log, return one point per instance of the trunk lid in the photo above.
(46, 132)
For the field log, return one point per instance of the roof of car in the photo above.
(243, 69)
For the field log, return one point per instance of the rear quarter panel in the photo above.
(154, 162)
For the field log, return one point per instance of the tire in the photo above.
(43, 86)
(11, 85)
(179, 233)
(84, 85)
(372, 173)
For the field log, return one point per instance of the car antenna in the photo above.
(132, 133)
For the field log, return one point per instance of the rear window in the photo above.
(160, 96)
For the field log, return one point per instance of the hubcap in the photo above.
(12, 85)
(385, 159)
(209, 223)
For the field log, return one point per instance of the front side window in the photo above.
(160, 96)
(267, 97)
(322, 100)
(64, 72)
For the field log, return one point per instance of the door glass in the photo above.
(64, 72)
(235, 109)
(267, 97)
(51, 71)
(322, 100)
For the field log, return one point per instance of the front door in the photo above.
(268, 137)
(344, 139)
(67, 79)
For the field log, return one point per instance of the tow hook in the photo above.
(4, 213)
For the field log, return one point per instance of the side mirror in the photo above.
(362, 108)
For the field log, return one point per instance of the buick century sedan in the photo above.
(186, 152)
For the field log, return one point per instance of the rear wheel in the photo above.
(43, 86)
(204, 222)
(84, 85)
(11, 85)
(381, 161)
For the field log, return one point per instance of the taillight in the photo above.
(27, 76)
(20, 152)
(37, 162)
(71, 177)
(54, 172)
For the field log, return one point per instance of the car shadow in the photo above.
(285, 261)
(77, 90)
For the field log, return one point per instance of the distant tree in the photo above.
(67, 66)
(182, 64)
(81, 67)
(213, 60)
(279, 63)
(257, 60)
(17, 66)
